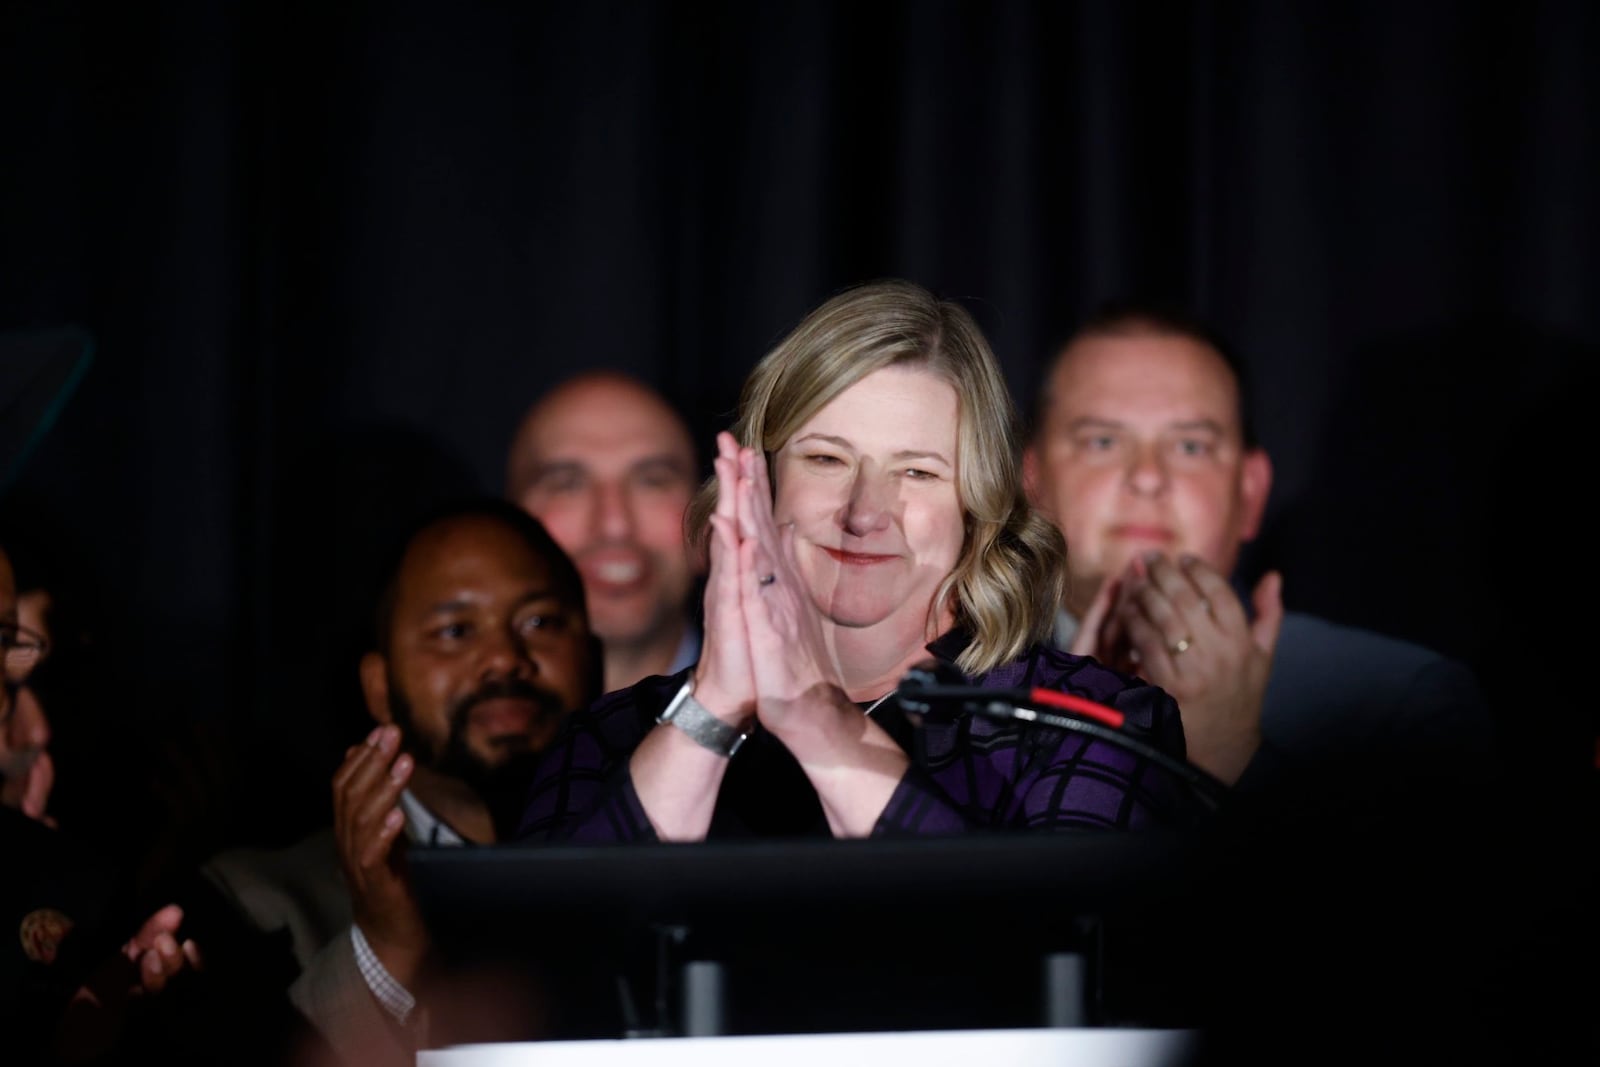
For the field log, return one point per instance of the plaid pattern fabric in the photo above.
(423, 827)
(394, 997)
(968, 773)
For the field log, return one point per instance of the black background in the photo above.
(328, 252)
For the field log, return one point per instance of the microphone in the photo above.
(935, 687)
(938, 690)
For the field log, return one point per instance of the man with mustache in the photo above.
(609, 467)
(481, 648)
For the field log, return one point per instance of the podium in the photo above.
(991, 932)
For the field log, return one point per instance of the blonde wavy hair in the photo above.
(1007, 583)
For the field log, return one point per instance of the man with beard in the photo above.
(609, 467)
(482, 647)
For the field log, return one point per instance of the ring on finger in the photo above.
(1180, 646)
(766, 579)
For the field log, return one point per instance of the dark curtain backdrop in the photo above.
(329, 251)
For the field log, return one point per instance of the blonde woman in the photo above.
(866, 516)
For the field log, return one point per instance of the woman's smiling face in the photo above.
(870, 485)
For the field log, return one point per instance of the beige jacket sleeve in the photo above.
(332, 994)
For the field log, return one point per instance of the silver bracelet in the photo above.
(704, 728)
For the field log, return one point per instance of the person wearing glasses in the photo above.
(27, 772)
(67, 978)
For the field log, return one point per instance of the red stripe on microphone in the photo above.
(1089, 709)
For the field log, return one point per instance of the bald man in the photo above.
(609, 467)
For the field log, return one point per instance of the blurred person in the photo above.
(64, 748)
(67, 981)
(27, 771)
(71, 748)
(481, 648)
(609, 467)
(1144, 454)
(71, 977)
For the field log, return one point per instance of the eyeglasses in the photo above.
(23, 649)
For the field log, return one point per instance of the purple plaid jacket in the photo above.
(966, 773)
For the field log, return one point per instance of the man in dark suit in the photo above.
(1142, 452)
(1362, 766)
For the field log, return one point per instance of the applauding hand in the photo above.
(367, 823)
(1179, 625)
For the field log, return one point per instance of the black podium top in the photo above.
(813, 934)
(490, 896)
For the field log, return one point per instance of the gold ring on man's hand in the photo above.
(1180, 646)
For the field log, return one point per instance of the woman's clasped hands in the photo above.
(764, 653)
